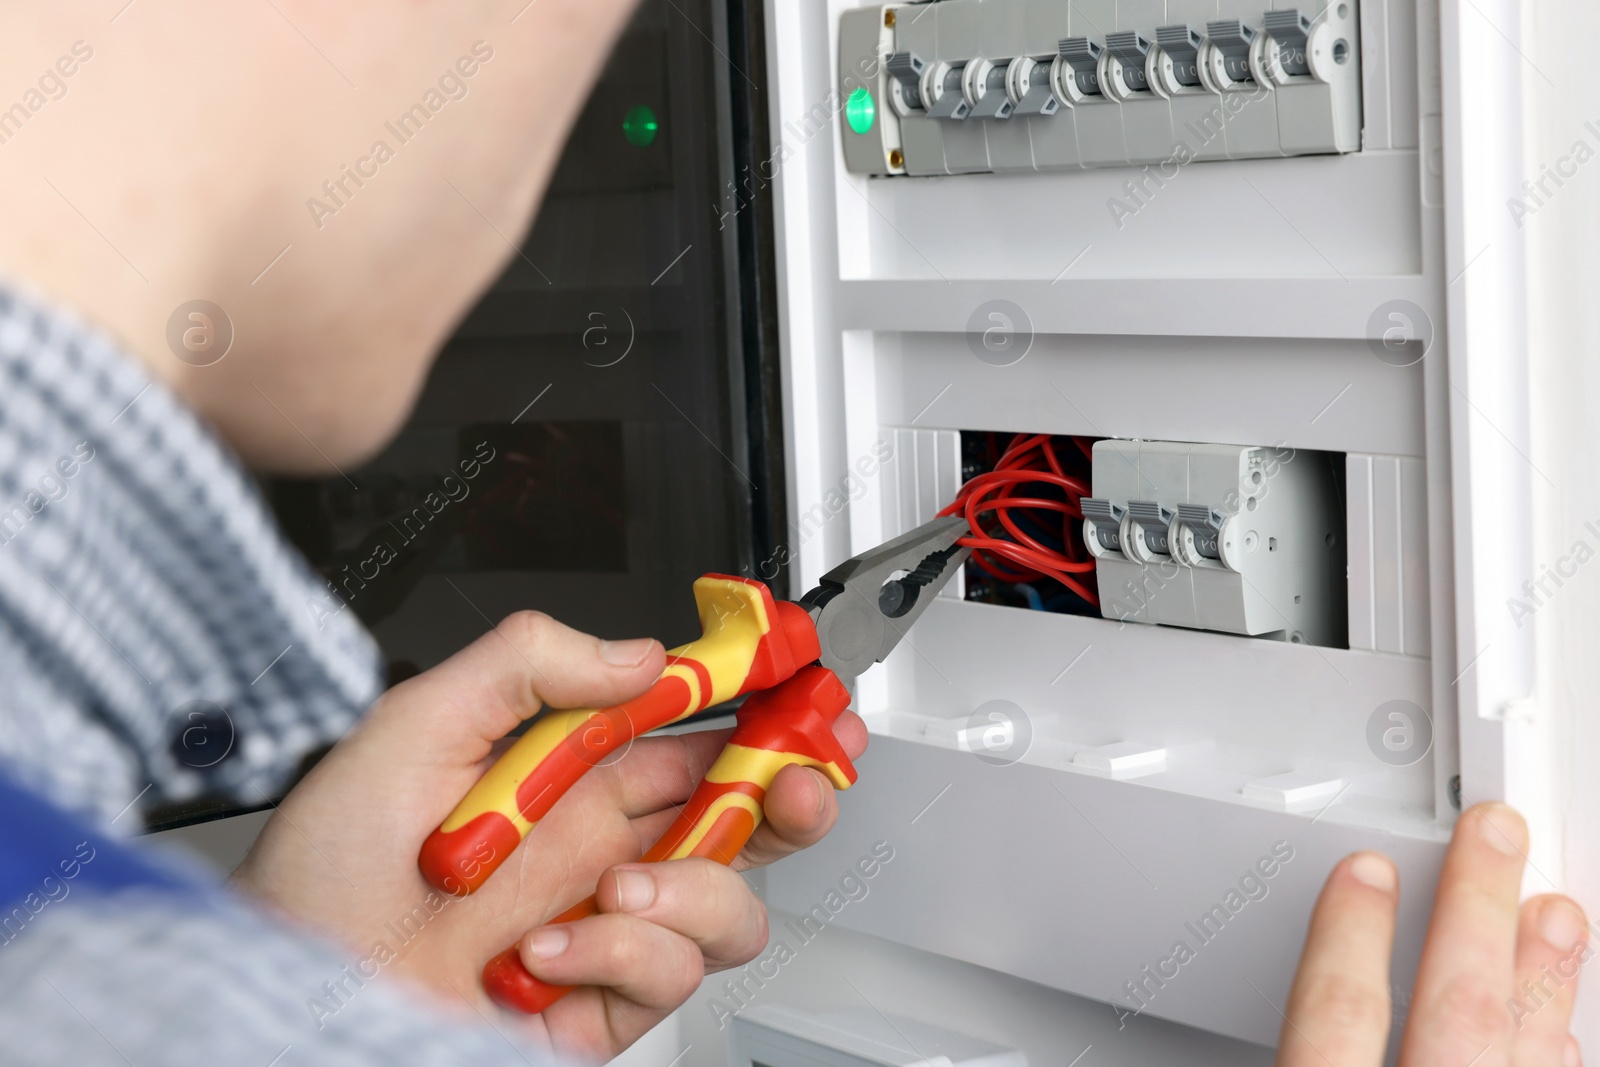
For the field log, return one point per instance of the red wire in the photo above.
(1003, 549)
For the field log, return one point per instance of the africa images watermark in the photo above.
(1252, 887)
(742, 987)
(52, 487)
(339, 991)
(1540, 590)
(452, 85)
(1537, 192)
(344, 588)
(818, 118)
(852, 487)
(53, 888)
(50, 86)
(1139, 190)
(1535, 995)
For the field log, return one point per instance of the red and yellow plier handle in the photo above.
(750, 643)
(790, 723)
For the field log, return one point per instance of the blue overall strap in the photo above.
(45, 853)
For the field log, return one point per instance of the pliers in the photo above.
(793, 659)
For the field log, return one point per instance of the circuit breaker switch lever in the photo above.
(1200, 527)
(1291, 33)
(1075, 73)
(1123, 70)
(1105, 516)
(1028, 85)
(1228, 54)
(1152, 522)
(984, 84)
(906, 68)
(1178, 63)
(941, 91)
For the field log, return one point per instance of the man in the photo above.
(167, 159)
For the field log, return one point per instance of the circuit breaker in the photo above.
(1218, 537)
(962, 86)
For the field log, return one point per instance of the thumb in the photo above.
(453, 714)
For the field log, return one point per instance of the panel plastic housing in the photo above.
(778, 1036)
(1234, 301)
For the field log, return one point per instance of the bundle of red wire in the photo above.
(1022, 482)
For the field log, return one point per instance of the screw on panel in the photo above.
(888, 17)
(897, 158)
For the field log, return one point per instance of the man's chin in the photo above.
(307, 450)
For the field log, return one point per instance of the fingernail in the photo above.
(822, 791)
(1561, 925)
(1503, 828)
(626, 653)
(1371, 869)
(636, 890)
(549, 942)
(1573, 1056)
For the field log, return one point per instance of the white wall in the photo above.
(1561, 96)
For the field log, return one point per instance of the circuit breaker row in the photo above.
(1217, 537)
(964, 86)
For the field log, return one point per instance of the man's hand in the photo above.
(1496, 983)
(341, 852)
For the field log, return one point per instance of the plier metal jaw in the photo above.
(863, 608)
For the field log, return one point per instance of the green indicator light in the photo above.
(859, 110)
(639, 126)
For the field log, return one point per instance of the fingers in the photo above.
(1338, 1013)
(1459, 1010)
(644, 963)
(1552, 947)
(801, 807)
(802, 804)
(457, 710)
(664, 771)
(660, 927)
(698, 898)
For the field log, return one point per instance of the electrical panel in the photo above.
(995, 219)
(1003, 85)
(777, 1036)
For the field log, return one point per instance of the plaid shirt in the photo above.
(159, 639)
(145, 591)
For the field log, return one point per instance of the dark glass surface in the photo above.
(600, 373)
